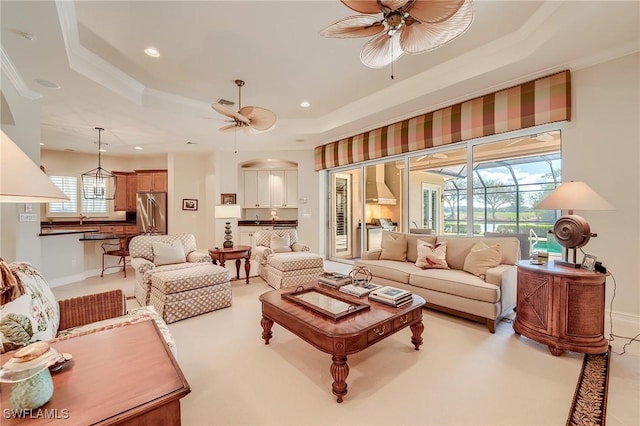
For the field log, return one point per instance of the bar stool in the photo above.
(121, 250)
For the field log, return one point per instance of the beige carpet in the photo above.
(462, 375)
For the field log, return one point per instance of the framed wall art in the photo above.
(189, 204)
(227, 198)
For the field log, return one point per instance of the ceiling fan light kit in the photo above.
(406, 26)
(252, 118)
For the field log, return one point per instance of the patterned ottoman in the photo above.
(185, 293)
(291, 269)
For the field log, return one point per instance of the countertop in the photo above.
(74, 227)
(266, 222)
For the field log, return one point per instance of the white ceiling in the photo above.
(94, 51)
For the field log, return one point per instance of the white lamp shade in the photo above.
(574, 196)
(21, 180)
(228, 211)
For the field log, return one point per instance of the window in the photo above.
(70, 185)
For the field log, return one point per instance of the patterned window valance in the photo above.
(541, 101)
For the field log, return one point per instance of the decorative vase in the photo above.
(32, 393)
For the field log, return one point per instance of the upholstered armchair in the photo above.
(283, 261)
(157, 253)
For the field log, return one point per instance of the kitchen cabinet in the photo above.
(270, 188)
(152, 180)
(247, 233)
(283, 185)
(257, 191)
(126, 188)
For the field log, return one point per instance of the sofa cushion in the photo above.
(458, 247)
(482, 257)
(280, 244)
(412, 245)
(168, 253)
(394, 246)
(390, 269)
(458, 283)
(432, 256)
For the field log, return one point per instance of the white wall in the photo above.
(600, 146)
(19, 240)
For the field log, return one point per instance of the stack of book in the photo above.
(391, 296)
(359, 289)
(334, 279)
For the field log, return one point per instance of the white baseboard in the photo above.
(623, 323)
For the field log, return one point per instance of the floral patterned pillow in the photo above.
(16, 325)
(45, 312)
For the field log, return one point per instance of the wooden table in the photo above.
(125, 375)
(236, 252)
(344, 336)
(561, 307)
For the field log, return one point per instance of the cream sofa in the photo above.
(451, 290)
(288, 263)
(145, 264)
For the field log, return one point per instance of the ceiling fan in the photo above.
(251, 118)
(406, 26)
(542, 137)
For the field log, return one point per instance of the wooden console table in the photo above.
(236, 252)
(125, 375)
(561, 307)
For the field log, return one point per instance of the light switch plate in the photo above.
(28, 217)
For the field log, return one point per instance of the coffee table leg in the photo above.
(339, 372)
(266, 324)
(416, 334)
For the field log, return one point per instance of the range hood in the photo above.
(376, 190)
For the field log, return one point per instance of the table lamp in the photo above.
(572, 231)
(228, 211)
(21, 180)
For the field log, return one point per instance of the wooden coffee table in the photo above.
(340, 337)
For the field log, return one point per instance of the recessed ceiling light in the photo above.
(47, 83)
(305, 104)
(41, 144)
(139, 148)
(299, 140)
(102, 150)
(152, 51)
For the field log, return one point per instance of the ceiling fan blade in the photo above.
(259, 118)
(517, 141)
(381, 50)
(228, 128)
(362, 6)
(545, 137)
(418, 37)
(354, 26)
(225, 110)
(435, 11)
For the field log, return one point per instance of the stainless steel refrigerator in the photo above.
(151, 212)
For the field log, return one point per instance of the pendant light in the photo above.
(98, 183)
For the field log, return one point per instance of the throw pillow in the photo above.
(16, 324)
(482, 257)
(432, 256)
(394, 246)
(280, 244)
(45, 312)
(168, 254)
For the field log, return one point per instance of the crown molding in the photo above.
(15, 78)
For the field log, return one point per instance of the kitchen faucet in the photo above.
(82, 217)
(257, 219)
